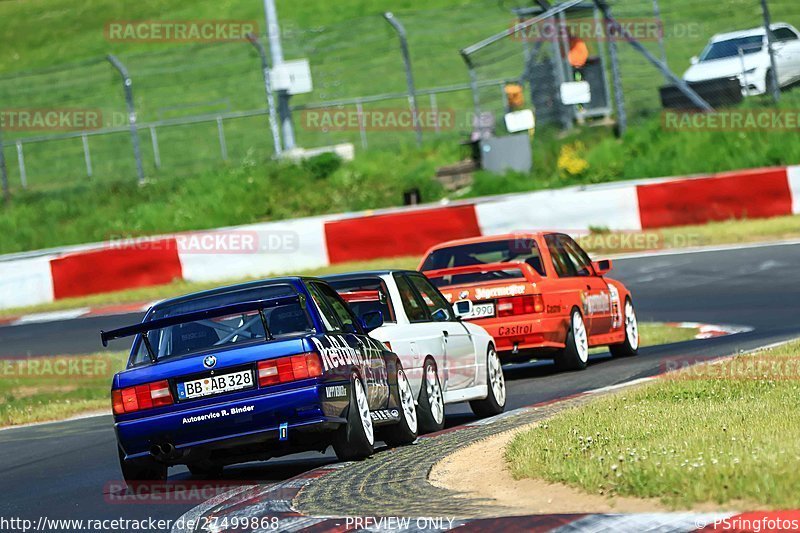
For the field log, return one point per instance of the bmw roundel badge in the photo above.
(210, 361)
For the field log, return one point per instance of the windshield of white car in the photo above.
(220, 332)
(731, 47)
(365, 295)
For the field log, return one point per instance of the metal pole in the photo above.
(273, 121)
(87, 156)
(601, 47)
(776, 88)
(620, 30)
(276, 51)
(4, 172)
(23, 174)
(435, 111)
(223, 146)
(412, 93)
(361, 130)
(662, 47)
(127, 84)
(616, 77)
(156, 151)
(558, 65)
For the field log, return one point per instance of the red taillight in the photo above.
(147, 396)
(286, 369)
(520, 305)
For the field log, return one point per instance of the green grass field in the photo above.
(721, 433)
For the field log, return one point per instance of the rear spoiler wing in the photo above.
(528, 272)
(213, 312)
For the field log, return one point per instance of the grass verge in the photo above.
(711, 433)
(55, 388)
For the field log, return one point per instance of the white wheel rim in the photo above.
(581, 339)
(407, 401)
(631, 325)
(434, 391)
(496, 379)
(363, 411)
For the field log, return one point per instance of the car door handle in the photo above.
(446, 334)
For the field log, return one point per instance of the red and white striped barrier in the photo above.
(292, 245)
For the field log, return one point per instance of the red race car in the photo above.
(538, 294)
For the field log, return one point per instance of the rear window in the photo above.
(240, 328)
(364, 295)
(482, 253)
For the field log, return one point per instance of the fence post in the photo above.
(558, 65)
(4, 172)
(276, 50)
(223, 146)
(127, 84)
(156, 151)
(776, 88)
(273, 122)
(23, 174)
(87, 155)
(412, 92)
(435, 113)
(361, 127)
(657, 16)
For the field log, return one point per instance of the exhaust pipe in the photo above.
(163, 451)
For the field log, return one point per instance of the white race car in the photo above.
(446, 360)
(744, 55)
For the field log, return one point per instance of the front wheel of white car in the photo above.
(431, 400)
(495, 401)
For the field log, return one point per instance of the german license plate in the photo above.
(215, 385)
(482, 310)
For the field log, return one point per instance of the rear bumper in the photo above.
(523, 333)
(227, 424)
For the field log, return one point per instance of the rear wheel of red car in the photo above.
(405, 431)
(630, 347)
(575, 355)
(356, 439)
(141, 469)
(431, 400)
(495, 401)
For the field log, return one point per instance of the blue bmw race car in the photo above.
(254, 371)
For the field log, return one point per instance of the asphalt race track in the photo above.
(60, 470)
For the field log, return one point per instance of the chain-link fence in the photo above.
(200, 105)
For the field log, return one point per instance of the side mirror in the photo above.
(371, 320)
(440, 315)
(462, 308)
(602, 267)
(695, 60)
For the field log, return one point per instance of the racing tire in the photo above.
(430, 407)
(404, 431)
(141, 469)
(207, 471)
(575, 355)
(630, 346)
(355, 440)
(495, 401)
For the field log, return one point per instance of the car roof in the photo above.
(490, 238)
(366, 273)
(230, 288)
(746, 33)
